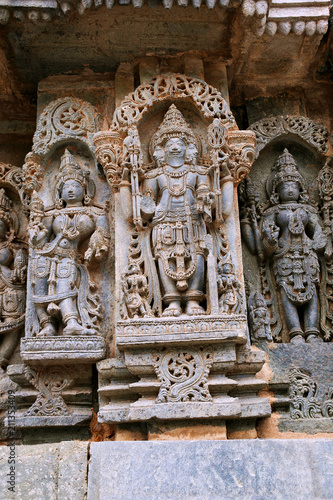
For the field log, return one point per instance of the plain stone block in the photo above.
(244, 470)
(46, 471)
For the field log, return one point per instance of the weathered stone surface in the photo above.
(301, 379)
(53, 471)
(246, 470)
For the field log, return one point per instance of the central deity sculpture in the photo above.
(183, 200)
(62, 289)
(176, 203)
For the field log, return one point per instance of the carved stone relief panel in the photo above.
(300, 376)
(69, 281)
(13, 259)
(69, 245)
(174, 157)
(283, 214)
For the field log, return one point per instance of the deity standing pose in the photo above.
(181, 191)
(291, 237)
(13, 272)
(62, 291)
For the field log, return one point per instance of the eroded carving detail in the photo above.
(268, 129)
(109, 150)
(325, 184)
(32, 173)
(50, 382)
(183, 374)
(260, 324)
(305, 398)
(13, 268)
(62, 288)
(62, 119)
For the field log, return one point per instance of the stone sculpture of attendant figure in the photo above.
(62, 293)
(13, 273)
(292, 236)
(181, 191)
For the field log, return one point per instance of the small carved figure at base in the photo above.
(229, 286)
(259, 318)
(135, 289)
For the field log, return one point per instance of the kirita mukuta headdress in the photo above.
(173, 125)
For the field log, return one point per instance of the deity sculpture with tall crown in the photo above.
(175, 222)
(64, 240)
(288, 241)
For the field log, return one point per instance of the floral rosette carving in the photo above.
(63, 119)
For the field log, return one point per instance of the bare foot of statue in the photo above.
(297, 339)
(313, 339)
(48, 331)
(74, 328)
(173, 309)
(193, 309)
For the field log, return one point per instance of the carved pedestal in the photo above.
(52, 396)
(62, 349)
(182, 369)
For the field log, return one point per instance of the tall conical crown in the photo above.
(70, 170)
(173, 125)
(286, 169)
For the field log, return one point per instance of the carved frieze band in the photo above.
(81, 348)
(160, 326)
(269, 129)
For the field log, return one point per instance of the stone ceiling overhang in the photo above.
(307, 17)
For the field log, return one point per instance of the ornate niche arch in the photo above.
(64, 120)
(311, 132)
(210, 103)
(306, 143)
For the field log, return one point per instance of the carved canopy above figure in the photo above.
(222, 135)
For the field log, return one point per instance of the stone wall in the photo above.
(166, 248)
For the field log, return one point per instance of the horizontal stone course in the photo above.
(46, 471)
(243, 470)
